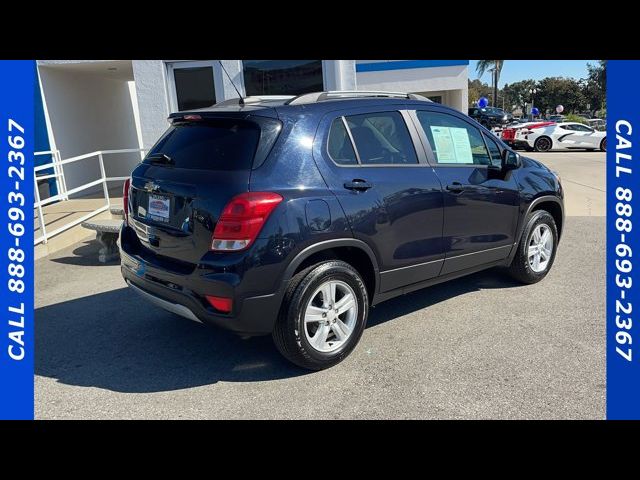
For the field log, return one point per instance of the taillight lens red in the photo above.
(242, 219)
(125, 199)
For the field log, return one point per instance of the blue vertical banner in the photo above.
(623, 244)
(16, 238)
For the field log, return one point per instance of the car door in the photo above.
(481, 202)
(572, 136)
(391, 197)
(586, 136)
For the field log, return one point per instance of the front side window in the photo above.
(581, 128)
(194, 87)
(494, 151)
(282, 77)
(453, 141)
(382, 139)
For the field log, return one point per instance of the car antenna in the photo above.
(241, 101)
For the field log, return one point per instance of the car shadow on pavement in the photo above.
(412, 302)
(115, 341)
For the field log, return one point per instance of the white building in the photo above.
(90, 105)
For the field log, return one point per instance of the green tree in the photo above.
(553, 91)
(477, 89)
(594, 87)
(495, 66)
(517, 93)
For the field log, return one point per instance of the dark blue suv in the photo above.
(293, 216)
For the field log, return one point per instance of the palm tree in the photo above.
(495, 66)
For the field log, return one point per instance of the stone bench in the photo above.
(117, 211)
(107, 234)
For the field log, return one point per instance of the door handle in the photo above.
(358, 185)
(455, 187)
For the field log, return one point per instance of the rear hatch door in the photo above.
(182, 185)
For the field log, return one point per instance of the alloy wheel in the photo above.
(540, 248)
(543, 144)
(330, 316)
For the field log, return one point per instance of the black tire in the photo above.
(520, 268)
(543, 144)
(603, 144)
(288, 334)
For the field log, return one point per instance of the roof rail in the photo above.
(320, 96)
(255, 99)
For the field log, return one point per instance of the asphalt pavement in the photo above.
(477, 347)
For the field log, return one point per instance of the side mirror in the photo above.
(510, 160)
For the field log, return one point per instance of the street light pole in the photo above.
(533, 92)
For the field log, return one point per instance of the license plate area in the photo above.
(158, 208)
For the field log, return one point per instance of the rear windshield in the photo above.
(211, 145)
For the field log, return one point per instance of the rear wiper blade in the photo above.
(160, 158)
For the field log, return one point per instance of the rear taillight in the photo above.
(242, 219)
(125, 200)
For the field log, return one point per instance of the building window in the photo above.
(282, 77)
(193, 83)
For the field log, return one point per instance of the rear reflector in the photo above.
(242, 219)
(192, 118)
(222, 304)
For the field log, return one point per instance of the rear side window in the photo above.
(209, 145)
(382, 139)
(340, 148)
(453, 140)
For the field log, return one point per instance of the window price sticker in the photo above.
(623, 246)
(17, 80)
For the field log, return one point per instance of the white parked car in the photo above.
(562, 136)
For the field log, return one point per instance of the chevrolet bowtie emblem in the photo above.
(151, 187)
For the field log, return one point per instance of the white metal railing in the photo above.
(63, 192)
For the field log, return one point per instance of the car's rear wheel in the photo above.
(537, 248)
(542, 144)
(603, 144)
(323, 315)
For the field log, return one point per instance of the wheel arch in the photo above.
(549, 203)
(602, 140)
(353, 251)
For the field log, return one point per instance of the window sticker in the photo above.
(452, 145)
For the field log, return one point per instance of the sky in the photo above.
(516, 70)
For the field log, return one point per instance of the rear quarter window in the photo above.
(209, 145)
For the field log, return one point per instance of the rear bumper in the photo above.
(517, 143)
(250, 315)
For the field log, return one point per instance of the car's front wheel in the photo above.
(537, 248)
(323, 315)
